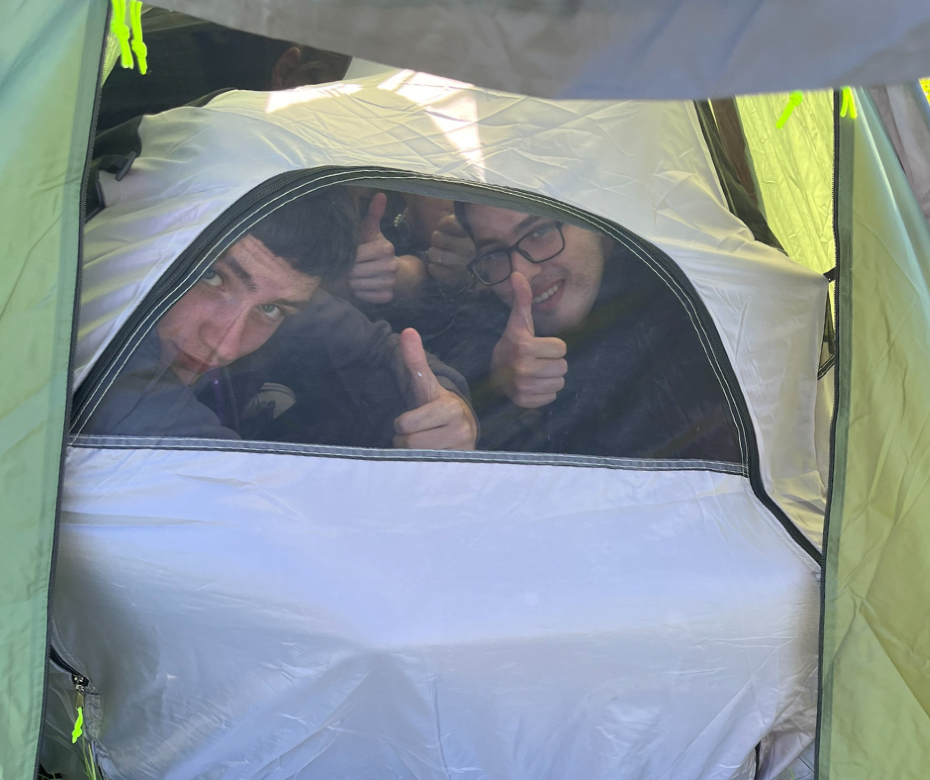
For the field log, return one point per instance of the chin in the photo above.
(556, 323)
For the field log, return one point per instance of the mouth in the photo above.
(192, 364)
(546, 294)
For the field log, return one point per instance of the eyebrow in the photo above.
(239, 271)
(518, 228)
(292, 304)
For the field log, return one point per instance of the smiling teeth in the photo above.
(547, 294)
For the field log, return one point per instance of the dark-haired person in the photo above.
(583, 348)
(201, 372)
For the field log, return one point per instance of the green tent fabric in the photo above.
(793, 166)
(49, 55)
(875, 719)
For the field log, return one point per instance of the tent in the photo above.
(873, 695)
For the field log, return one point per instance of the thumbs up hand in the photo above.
(529, 369)
(374, 274)
(451, 250)
(441, 420)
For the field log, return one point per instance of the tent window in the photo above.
(364, 317)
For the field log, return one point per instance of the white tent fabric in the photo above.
(437, 618)
(271, 616)
(643, 165)
(665, 49)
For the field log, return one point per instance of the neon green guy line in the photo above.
(794, 100)
(849, 103)
(119, 28)
(138, 46)
(78, 730)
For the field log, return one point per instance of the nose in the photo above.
(223, 334)
(519, 263)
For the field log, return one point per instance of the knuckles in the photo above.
(374, 250)
(370, 296)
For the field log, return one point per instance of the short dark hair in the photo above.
(315, 233)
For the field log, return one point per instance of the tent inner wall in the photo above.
(706, 285)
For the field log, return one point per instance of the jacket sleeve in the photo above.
(333, 329)
(138, 405)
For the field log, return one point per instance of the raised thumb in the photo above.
(521, 311)
(371, 225)
(422, 378)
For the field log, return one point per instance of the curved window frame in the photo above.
(264, 199)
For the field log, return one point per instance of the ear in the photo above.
(285, 67)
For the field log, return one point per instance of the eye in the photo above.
(212, 278)
(271, 310)
(543, 230)
(494, 257)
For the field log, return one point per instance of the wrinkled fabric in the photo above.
(608, 48)
(326, 612)
(643, 165)
(275, 616)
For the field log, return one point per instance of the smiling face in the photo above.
(232, 310)
(565, 287)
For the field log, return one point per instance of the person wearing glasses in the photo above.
(585, 349)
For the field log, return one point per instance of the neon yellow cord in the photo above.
(119, 28)
(78, 731)
(138, 46)
(794, 100)
(849, 103)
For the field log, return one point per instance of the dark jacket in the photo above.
(327, 376)
(639, 382)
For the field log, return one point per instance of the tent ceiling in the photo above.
(661, 49)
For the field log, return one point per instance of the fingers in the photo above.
(452, 258)
(425, 386)
(526, 368)
(442, 420)
(550, 348)
(375, 296)
(379, 266)
(535, 401)
(529, 369)
(427, 417)
(450, 226)
(450, 245)
(537, 386)
(379, 248)
(374, 275)
(371, 225)
(521, 311)
(444, 424)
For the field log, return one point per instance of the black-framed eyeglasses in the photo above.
(542, 243)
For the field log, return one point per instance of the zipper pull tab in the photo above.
(78, 731)
(80, 685)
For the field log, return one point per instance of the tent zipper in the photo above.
(247, 210)
(81, 682)
(837, 354)
(51, 654)
(84, 692)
